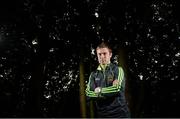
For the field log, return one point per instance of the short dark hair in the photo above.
(104, 45)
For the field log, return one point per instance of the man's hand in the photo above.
(97, 90)
(115, 82)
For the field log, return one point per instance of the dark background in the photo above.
(43, 41)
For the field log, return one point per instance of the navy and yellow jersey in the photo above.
(110, 102)
(104, 78)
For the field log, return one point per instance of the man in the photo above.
(106, 86)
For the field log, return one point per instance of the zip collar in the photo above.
(103, 67)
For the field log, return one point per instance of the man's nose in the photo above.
(102, 56)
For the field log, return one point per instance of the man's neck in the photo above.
(103, 66)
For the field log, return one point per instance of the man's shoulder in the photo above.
(116, 67)
(113, 65)
(94, 72)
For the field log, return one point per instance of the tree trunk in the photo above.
(82, 91)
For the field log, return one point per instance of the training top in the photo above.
(110, 101)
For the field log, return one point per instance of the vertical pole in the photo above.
(82, 91)
(91, 106)
(122, 61)
(91, 109)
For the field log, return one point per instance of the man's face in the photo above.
(104, 55)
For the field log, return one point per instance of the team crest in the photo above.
(110, 78)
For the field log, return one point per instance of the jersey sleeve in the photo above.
(89, 91)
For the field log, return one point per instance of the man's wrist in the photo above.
(97, 90)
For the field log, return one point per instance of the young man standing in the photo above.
(106, 86)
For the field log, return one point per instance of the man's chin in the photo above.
(104, 63)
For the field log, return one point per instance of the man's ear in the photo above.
(110, 54)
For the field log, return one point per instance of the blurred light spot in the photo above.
(162, 65)
(65, 88)
(48, 96)
(51, 50)
(172, 79)
(34, 42)
(165, 36)
(47, 83)
(93, 27)
(54, 77)
(1, 76)
(92, 51)
(69, 82)
(63, 63)
(160, 19)
(96, 14)
(140, 76)
(148, 35)
(177, 54)
(3, 58)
